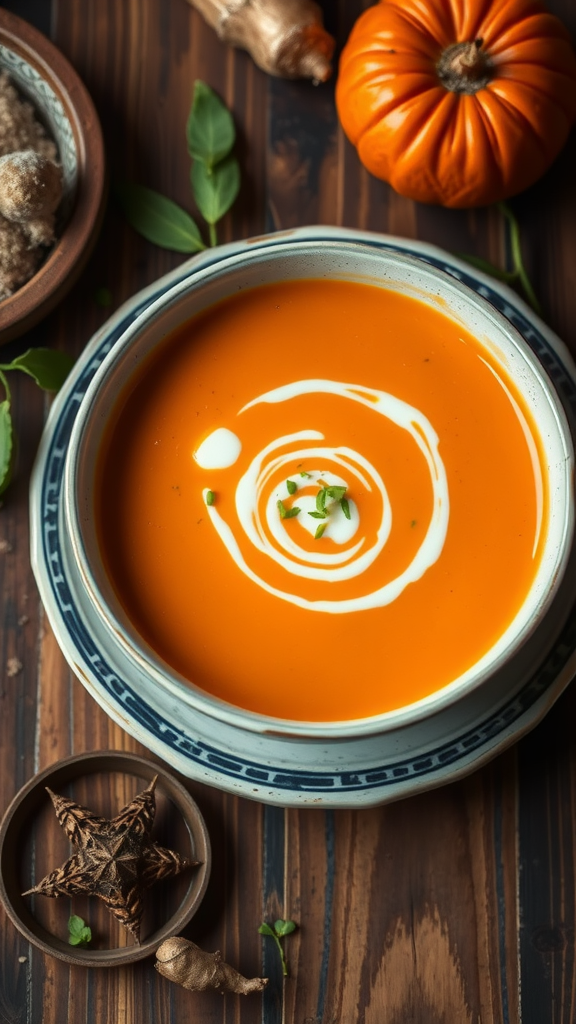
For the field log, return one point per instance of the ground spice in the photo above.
(30, 189)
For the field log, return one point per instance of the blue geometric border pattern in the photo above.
(123, 695)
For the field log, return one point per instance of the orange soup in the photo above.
(321, 501)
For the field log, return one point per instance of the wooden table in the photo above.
(454, 907)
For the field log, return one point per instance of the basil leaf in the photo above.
(158, 219)
(6, 444)
(291, 512)
(48, 367)
(215, 190)
(318, 515)
(321, 500)
(345, 507)
(336, 493)
(320, 531)
(210, 131)
(291, 486)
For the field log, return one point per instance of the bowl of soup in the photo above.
(317, 511)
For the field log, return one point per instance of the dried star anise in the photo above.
(116, 858)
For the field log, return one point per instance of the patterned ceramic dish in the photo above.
(334, 764)
(44, 77)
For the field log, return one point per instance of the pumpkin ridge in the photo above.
(513, 111)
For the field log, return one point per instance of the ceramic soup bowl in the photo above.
(323, 654)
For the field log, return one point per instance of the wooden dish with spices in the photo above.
(101, 786)
(43, 78)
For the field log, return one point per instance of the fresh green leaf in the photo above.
(321, 500)
(215, 190)
(48, 367)
(6, 444)
(210, 498)
(210, 131)
(158, 219)
(287, 513)
(336, 493)
(306, 474)
(284, 927)
(75, 925)
(79, 932)
(320, 531)
(265, 929)
(291, 486)
(344, 505)
(318, 515)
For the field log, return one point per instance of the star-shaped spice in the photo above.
(116, 859)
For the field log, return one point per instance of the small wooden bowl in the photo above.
(33, 803)
(44, 77)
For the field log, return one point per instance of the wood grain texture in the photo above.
(454, 907)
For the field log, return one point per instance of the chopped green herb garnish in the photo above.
(336, 493)
(210, 497)
(287, 513)
(308, 475)
(345, 507)
(320, 531)
(321, 499)
(318, 515)
(292, 487)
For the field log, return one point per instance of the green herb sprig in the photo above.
(49, 369)
(79, 932)
(516, 276)
(278, 931)
(336, 495)
(214, 178)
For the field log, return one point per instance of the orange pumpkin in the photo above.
(457, 102)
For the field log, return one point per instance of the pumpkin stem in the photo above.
(464, 67)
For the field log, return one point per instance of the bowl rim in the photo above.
(72, 249)
(161, 672)
(66, 771)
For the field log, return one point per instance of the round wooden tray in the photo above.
(19, 846)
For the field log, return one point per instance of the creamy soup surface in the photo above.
(321, 501)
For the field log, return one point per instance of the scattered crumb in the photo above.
(13, 667)
(23, 620)
(22, 959)
(5, 547)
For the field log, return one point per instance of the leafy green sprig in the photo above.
(49, 369)
(214, 178)
(79, 934)
(278, 931)
(516, 276)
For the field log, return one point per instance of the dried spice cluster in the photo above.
(116, 859)
(30, 189)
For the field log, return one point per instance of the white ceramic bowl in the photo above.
(337, 763)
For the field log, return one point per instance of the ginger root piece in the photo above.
(285, 38)
(184, 962)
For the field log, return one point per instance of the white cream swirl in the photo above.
(254, 492)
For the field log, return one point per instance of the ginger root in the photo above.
(185, 963)
(285, 38)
